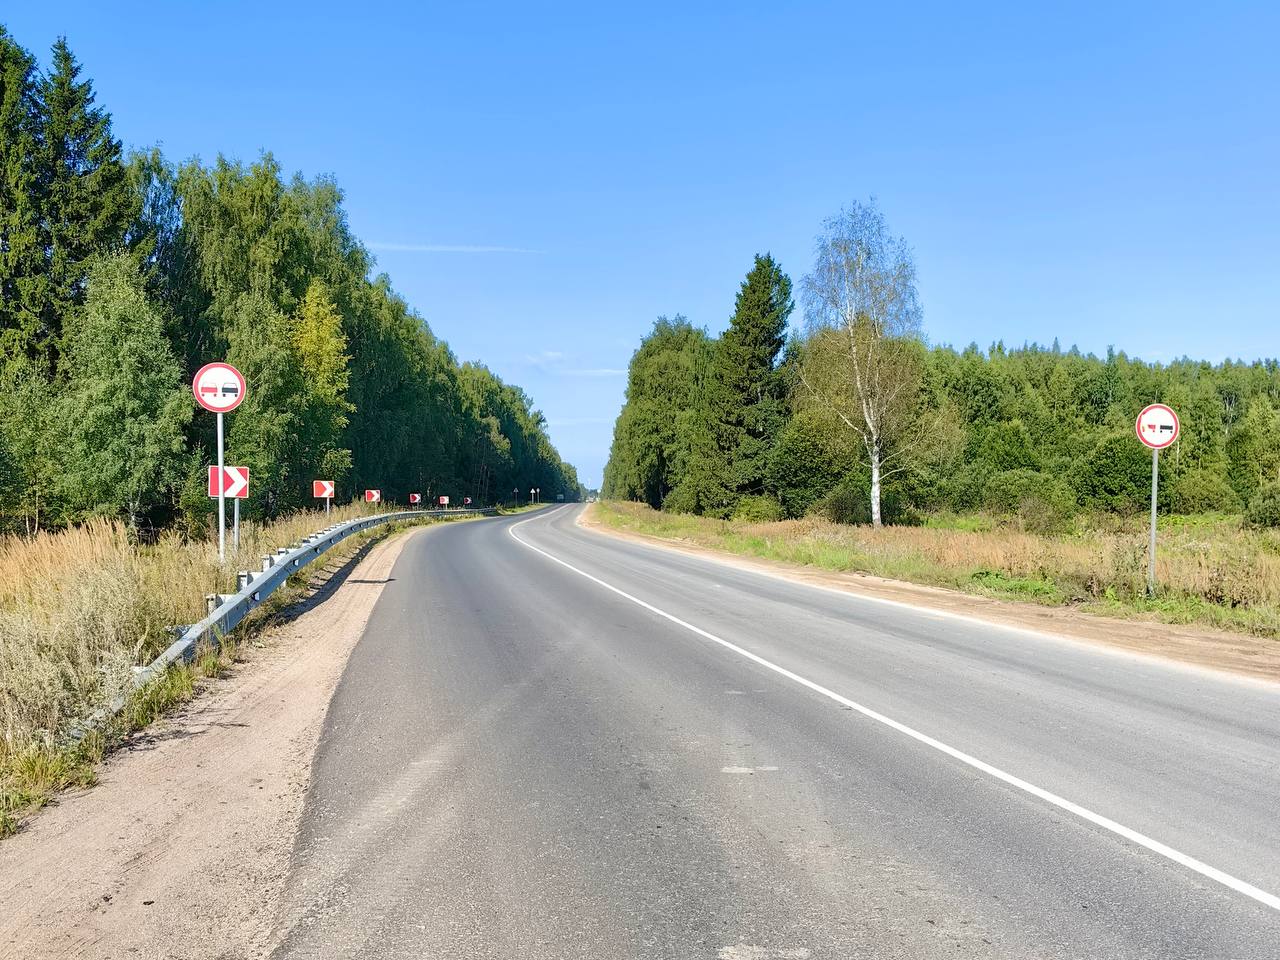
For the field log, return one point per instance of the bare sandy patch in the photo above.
(1235, 653)
(183, 847)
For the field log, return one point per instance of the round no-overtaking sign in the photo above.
(218, 387)
(1157, 426)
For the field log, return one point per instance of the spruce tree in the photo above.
(746, 395)
(21, 248)
(86, 193)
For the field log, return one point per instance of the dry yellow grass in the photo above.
(79, 609)
(1210, 570)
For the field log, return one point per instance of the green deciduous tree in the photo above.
(652, 442)
(124, 407)
(264, 432)
(862, 367)
(321, 347)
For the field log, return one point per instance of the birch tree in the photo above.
(862, 365)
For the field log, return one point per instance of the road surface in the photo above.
(551, 743)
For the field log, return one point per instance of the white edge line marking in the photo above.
(1142, 840)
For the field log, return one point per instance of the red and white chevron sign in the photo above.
(415, 498)
(322, 489)
(235, 482)
(373, 496)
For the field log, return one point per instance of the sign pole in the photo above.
(220, 388)
(235, 529)
(326, 505)
(1158, 427)
(1151, 559)
(222, 508)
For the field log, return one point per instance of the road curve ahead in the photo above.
(551, 743)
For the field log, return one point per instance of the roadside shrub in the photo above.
(1007, 446)
(847, 503)
(1203, 491)
(1116, 475)
(965, 489)
(700, 495)
(850, 503)
(804, 464)
(754, 509)
(1043, 504)
(1264, 508)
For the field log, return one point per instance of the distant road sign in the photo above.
(415, 498)
(322, 489)
(444, 501)
(235, 482)
(218, 387)
(1157, 426)
(373, 496)
(466, 501)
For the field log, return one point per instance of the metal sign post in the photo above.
(1158, 427)
(222, 501)
(219, 388)
(1151, 552)
(227, 482)
(323, 490)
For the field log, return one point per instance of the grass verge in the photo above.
(1210, 571)
(81, 608)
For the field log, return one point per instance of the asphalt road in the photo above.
(577, 746)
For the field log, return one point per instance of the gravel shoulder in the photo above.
(183, 847)
(1235, 653)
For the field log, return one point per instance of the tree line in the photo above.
(122, 273)
(854, 416)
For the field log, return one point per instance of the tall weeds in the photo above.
(79, 609)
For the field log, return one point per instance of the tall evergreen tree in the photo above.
(21, 249)
(85, 190)
(746, 396)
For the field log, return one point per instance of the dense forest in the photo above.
(856, 417)
(121, 274)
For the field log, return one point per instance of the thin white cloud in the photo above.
(444, 248)
(595, 372)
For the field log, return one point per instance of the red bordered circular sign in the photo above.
(1157, 426)
(218, 387)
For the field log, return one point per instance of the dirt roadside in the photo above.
(1235, 653)
(182, 848)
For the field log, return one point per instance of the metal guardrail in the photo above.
(226, 611)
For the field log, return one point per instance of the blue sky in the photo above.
(542, 180)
